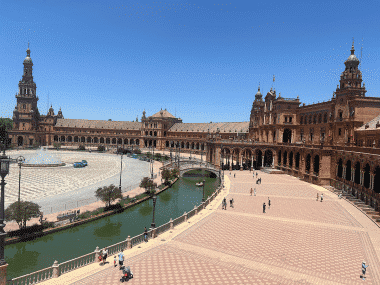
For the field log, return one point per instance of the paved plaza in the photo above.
(60, 184)
(299, 240)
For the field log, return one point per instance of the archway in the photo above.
(69, 138)
(367, 170)
(297, 160)
(95, 140)
(291, 159)
(357, 173)
(101, 140)
(20, 140)
(340, 168)
(259, 159)
(268, 158)
(316, 165)
(55, 139)
(287, 136)
(76, 139)
(63, 138)
(120, 141)
(285, 160)
(279, 157)
(376, 181)
(307, 166)
(348, 170)
(83, 139)
(88, 139)
(108, 140)
(113, 140)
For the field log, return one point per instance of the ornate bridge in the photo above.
(194, 164)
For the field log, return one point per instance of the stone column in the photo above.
(252, 161)
(56, 267)
(129, 244)
(171, 224)
(3, 273)
(262, 161)
(273, 162)
(231, 162)
(241, 160)
(372, 180)
(361, 177)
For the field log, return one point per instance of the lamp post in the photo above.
(20, 161)
(4, 171)
(203, 197)
(153, 225)
(121, 169)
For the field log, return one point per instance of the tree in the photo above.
(108, 194)
(101, 148)
(56, 145)
(158, 156)
(22, 212)
(148, 185)
(166, 174)
(175, 173)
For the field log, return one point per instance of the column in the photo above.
(361, 177)
(372, 180)
(273, 162)
(231, 162)
(344, 172)
(262, 161)
(252, 161)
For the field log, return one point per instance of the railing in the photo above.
(76, 263)
(58, 269)
(33, 278)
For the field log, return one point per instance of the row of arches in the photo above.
(95, 140)
(360, 174)
(185, 145)
(316, 118)
(246, 158)
(292, 159)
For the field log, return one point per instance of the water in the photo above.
(43, 156)
(27, 257)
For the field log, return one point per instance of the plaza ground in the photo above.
(299, 240)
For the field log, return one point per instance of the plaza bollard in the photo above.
(55, 269)
(171, 224)
(185, 216)
(129, 244)
(97, 254)
(196, 209)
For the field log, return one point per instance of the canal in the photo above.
(27, 257)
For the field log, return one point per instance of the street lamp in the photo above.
(121, 169)
(4, 171)
(203, 198)
(153, 225)
(20, 161)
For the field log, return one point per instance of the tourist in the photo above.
(264, 208)
(364, 269)
(251, 191)
(224, 204)
(268, 203)
(321, 197)
(145, 234)
(340, 196)
(234, 175)
(317, 196)
(114, 261)
(105, 254)
(121, 259)
(255, 192)
(232, 202)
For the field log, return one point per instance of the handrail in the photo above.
(58, 269)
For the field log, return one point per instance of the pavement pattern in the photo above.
(299, 240)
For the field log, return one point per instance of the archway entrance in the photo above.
(268, 158)
(20, 141)
(287, 136)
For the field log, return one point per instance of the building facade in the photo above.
(337, 141)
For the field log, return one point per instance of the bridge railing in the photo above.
(59, 269)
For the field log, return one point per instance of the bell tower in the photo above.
(26, 114)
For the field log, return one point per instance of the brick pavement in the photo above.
(297, 241)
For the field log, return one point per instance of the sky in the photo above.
(201, 60)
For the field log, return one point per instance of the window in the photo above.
(290, 119)
(286, 119)
(301, 122)
(24, 106)
(340, 131)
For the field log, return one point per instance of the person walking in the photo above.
(234, 175)
(255, 192)
(364, 270)
(268, 203)
(145, 234)
(321, 197)
(114, 261)
(224, 204)
(317, 196)
(121, 259)
(264, 208)
(251, 191)
(232, 202)
(105, 254)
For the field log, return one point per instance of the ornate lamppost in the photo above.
(153, 225)
(203, 197)
(20, 161)
(121, 170)
(4, 171)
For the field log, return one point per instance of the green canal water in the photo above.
(27, 257)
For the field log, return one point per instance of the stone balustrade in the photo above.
(57, 269)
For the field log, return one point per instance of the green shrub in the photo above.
(81, 147)
(101, 148)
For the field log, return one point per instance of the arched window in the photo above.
(301, 121)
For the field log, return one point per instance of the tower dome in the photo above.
(258, 95)
(27, 58)
(352, 60)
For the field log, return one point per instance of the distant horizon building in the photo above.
(337, 141)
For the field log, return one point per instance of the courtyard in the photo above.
(299, 240)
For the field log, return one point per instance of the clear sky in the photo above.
(202, 60)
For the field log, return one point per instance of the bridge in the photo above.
(186, 165)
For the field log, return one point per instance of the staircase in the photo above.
(368, 210)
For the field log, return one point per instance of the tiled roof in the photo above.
(163, 114)
(371, 125)
(98, 124)
(240, 127)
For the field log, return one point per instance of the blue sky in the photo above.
(202, 60)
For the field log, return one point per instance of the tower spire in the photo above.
(352, 48)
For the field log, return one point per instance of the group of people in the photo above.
(321, 197)
(264, 205)
(224, 203)
(254, 191)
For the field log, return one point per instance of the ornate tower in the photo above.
(26, 114)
